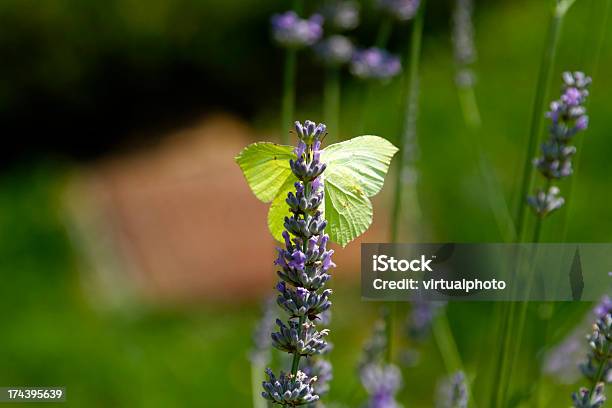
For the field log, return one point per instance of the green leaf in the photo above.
(266, 168)
(356, 170)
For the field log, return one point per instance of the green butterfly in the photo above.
(355, 171)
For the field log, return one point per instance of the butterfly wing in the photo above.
(266, 168)
(356, 170)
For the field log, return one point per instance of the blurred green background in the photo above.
(81, 81)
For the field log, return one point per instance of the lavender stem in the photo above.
(539, 106)
(288, 102)
(594, 65)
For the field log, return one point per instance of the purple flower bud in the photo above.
(297, 260)
(572, 96)
(327, 262)
(316, 153)
(300, 149)
(280, 261)
(287, 240)
(301, 292)
(316, 184)
(582, 122)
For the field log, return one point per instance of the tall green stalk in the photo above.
(407, 138)
(409, 126)
(508, 359)
(576, 159)
(331, 102)
(539, 106)
(288, 104)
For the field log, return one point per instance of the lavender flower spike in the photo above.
(568, 117)
(303, 267)
(453, 392)
(401, 10)
(463, 42)
(598, 366)
(290, 31)
(375, 63)
(381, 383)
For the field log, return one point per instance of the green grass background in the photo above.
(53, 333)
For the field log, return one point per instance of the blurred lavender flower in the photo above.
(382, 382)
(341, 15)
(568, 117)
(598, 366)
(373, 351)
(562, 362)
(463, 42)
(304, 263)
(320, 368)
(260, 354)
(375, 63)
(290, 31)
(421, 316)
(453, 392)
(334, 51)
(603, 308)
(401, 10)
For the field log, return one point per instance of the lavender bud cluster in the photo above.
(453, 392)
(564, 361)
(304, 264)
(381, 381)
(463, 42)
(421, 317)
(401, 10)
(289, 389)
(375, 63)
(598, 366)
(291, 31)
(568, 117)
